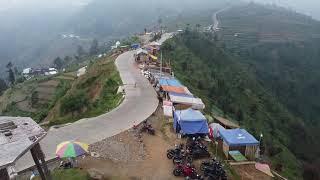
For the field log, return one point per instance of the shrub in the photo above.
(74, 102)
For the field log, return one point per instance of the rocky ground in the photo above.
(133, 155)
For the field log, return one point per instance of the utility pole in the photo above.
(161, 66)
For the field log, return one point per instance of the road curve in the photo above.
(139, 103)
(215, 20)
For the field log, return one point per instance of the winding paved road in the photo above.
(215, 20)
(139, 103)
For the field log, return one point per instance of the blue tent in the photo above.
(237, 137)
(190, 122)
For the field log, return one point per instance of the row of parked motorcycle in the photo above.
(183, 156)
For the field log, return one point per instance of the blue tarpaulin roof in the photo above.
(190, 122)
(237, 137)
(170, 82)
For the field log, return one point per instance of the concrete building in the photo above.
(18, 135)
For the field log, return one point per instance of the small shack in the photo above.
(238, 143)
(190, 122)
(225, 122)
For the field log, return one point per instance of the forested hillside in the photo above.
(225, 81)
(281, 48)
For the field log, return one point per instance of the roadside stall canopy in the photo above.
(170, 82)
(238, 137)
(190, 122)
(187, 99)
(167, 108)
(154, 43)
(180, 90)
(151, 48)
(141, 51)
(135, 46)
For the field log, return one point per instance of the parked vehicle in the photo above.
(174, 152)
(208, 163)
(213, 170)
(187, 171)
(182, 158)
(198, 151)
(66, 165)
(147, 128)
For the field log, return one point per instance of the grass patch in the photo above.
(68, 174)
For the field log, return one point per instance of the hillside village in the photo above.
(179, 118)
(129, 112)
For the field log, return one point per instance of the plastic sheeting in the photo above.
(141, 51)
(153, 57)
(170, 82)
(237, 137)
(215, 129)
(190, 122)
(180, 90)
(264, 168)
(167, 108)
(187, 99)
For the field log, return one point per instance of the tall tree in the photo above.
(94, 49)
(80, 51)
(198, 26)
(16, 71)
(58, 63)
(3, 86)
(67, 59)
(11, 77)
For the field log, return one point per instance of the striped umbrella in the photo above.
(71, 149)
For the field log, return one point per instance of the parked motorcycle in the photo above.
(187, 171)
(174, 152)
(198, 152)
(147, 128)
(208, 163)
(65, 165)
(213, 170)
(182, 158)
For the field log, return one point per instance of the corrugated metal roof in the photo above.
(174, 89)
(187, 99)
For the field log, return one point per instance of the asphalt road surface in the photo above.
(139, 103)
(215, 20)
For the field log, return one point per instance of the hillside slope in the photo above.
(223, 81)
(66, 98)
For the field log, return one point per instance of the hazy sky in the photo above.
(309, 7)
(14, 4)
